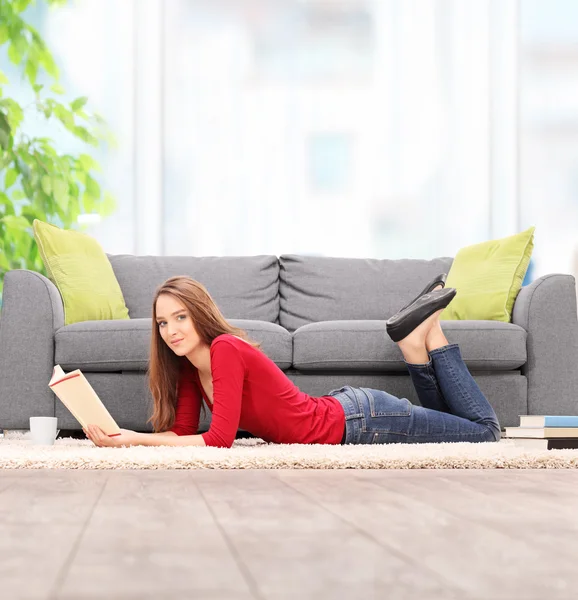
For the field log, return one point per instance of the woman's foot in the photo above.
(400, 325)
(435, 337)
(429, 336)
(414, 346)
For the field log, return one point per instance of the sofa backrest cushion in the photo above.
(316, 288)
(244, 287)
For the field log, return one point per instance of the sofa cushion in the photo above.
(317, 288)
(488, 277)
(244, 287)
(365, 346)
(125, 345)
(78, 267)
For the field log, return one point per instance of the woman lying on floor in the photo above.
(196, 353)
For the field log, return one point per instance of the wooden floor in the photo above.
(415, 534)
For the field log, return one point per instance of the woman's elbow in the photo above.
(219, 442)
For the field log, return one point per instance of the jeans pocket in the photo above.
(385, 415)
(382, 404)
(339, 391)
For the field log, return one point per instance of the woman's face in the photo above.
(176, 326)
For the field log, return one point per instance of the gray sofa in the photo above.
(322, 320)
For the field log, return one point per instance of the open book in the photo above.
(81, 400)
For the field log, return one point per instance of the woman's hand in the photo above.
(99, 438)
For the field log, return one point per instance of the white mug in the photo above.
(43, 430)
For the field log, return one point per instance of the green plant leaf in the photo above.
(3, 78)
(73, 190)
(64, 115)
(18, 195)
(20, 5)
(87, 202)
(60, 192)
(46, 184)
(22, 160)
(85, 135)
(46, 60)
(14, 112)
(92, 187)
(31, 70)
(21, 43)
(4, 263)
(80, 176)
(16, 222)
(13, 54)
(4, 33)
(8, 207)
(77, 104)
(32, 213)
(63, 166)
(10, 178)
(5, 132)
(87, 162)
(57, 88)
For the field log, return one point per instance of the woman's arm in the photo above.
(128, 437)
(169, 438)
(228, 372)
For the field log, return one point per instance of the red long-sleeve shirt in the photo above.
(252, 393)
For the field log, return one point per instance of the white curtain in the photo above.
(382, 128)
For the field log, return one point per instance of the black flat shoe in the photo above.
(407, 319)
(439, 280)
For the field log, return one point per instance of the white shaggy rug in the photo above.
(68, 453)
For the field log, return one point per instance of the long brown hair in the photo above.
(165, 366)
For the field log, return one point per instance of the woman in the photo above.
(196, 353)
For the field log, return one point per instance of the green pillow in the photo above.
(488, 277)
(79, 268)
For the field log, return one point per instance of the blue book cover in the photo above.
(548, 421)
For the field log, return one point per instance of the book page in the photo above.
(57, 374)
(76, 393)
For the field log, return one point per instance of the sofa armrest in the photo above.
(32, 311)
(546, 309)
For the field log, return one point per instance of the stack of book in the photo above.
(545, 432)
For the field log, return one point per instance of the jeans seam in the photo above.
(436, 384)
(429, 369)
(417, 364)
(371, 400)
(456, 380)
(460, 387)
(360, 409)
(429, 434)
(442, 350)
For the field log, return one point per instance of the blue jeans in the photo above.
(454, 409)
